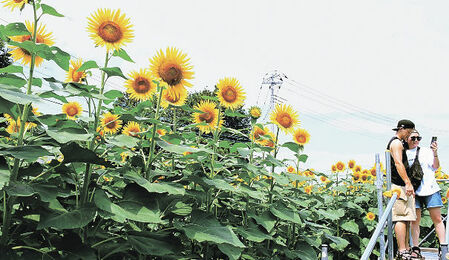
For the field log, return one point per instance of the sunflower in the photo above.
(301, 136)
(370, 216)
(284, 117)
(357, 168)
(340, 166)
(324, 179)
(107, 179)
(100, 132)
(110, 28)
(72, 109)
(356, 177)
(351, 164)
(308, 189)
(174, 97)
(73, 75)
(309, 173)
(334, 168)
(257, 133)
(444, 200)
(124, 156)
(271, 141)
(41, 37)
(13, 126)
(111, 123)
(209, 115)
(35, 112)
(131, 129)
(373, 172)
(172, 67)
(291, 169)
(230, 93)
(13, 4)
(364, 177)
(255, 112)
(161, 131)
(140, 85)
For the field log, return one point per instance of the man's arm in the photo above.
(396, 149)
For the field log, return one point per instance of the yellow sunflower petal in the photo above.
(301, 136)
(22, 55)
(230, 93)
(110, 28)
(140, 85)
(73, 75)
(174, 97)
(110, 123)
(284, 117)
(132, 129)
(172, 67)
(72, 110)
(255, 112)
(13, 4)
(209, 115)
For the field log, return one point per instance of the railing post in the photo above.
(324, 252)
(379, 227)
(380, 206)
(390, 222)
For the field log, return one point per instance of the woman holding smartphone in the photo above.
(428, 194)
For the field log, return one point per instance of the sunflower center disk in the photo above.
(284, 120)
(172, 98)
(171, 74)
(76, 76)
(301, 139)
(110, 32)
(72, 111)
(141, 85)
(206, 117)
(229, 94)
(110, 124)
(18, 1)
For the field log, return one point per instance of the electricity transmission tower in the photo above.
(272, 81)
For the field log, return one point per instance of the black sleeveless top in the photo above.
(395, 177)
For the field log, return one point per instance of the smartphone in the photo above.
(434, 139)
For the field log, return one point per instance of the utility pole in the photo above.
(273, 80)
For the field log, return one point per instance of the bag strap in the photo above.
(417, 153)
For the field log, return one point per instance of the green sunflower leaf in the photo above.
(122, 54)
(12, 69)
(88, 65)
(77, 218)
(12, 80)
(14, 29)
(61, 58)
(28, 153)
(114, 71)
(46, 9)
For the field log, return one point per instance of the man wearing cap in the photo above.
(404, 208)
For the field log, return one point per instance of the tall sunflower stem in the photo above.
(147, 169)
(88, 171)
(174, 131)
(272, 167)
(214, 147)
(23, 119)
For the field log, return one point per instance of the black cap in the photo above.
(404, 123)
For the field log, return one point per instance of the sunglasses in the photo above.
(414, 138)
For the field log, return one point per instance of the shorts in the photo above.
(430, 201)
(404, 207)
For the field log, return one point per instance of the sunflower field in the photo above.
(101, 181)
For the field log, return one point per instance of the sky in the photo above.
(354, 68)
